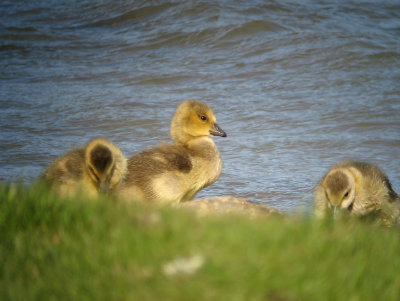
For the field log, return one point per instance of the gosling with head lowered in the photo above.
(174, 173)
(359, 189)
(98, 167)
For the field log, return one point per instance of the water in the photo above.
(297, 85)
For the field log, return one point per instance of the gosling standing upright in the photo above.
(174, 173)
(98, 167)
(357, 188)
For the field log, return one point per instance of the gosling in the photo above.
(174, 173)
(357, 188)
(98, 167)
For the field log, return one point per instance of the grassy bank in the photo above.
(80, 250)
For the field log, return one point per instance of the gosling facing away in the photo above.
(97, 167)
(174, 173)
(357, 188)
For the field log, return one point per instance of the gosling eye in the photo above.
(346, 194)
(202, 117)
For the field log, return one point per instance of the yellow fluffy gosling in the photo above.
(99, 166)
(174, 173)
(357, 188)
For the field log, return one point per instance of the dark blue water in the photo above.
(297, 85)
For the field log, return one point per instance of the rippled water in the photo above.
(297, 85)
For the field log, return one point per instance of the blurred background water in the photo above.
(297, 85)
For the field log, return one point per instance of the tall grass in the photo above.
(52, 249)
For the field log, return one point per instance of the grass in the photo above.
(52, 249)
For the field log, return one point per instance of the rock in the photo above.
(230, 205)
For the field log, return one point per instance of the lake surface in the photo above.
(297, 85)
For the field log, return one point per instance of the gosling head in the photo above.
(105, 164)
(339, 186)
(194, 119)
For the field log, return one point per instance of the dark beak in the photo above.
(104, 186)
(217, 131)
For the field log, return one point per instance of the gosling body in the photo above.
(174, 173)
(98, 167)
(357, 188)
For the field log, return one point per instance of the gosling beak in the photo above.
(217, 131)
(104, 187)
(336, 212)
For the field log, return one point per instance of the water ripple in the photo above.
(295, 85)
